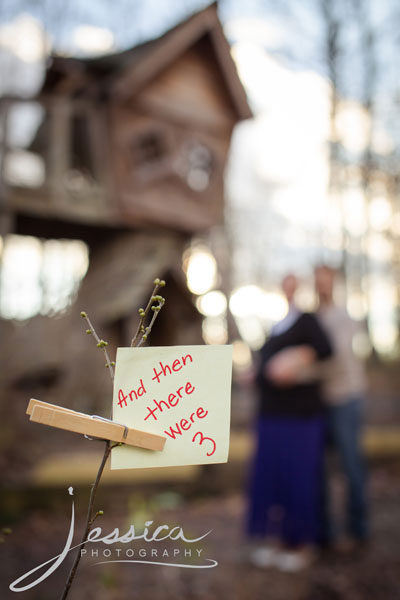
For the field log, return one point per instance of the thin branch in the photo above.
(140, 336)
(100, 344)
(137, 340)
(148, 329)
(143, 314)
(89, 522)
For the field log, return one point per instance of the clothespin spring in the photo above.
(96, 439)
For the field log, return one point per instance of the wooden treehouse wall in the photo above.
(176, 128)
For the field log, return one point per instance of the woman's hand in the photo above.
(287, 367)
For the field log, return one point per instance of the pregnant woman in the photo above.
(287, 468)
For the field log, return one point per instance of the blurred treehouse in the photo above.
(127, 153)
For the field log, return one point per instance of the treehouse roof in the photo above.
(126, 73)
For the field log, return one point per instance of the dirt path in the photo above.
(373, 574)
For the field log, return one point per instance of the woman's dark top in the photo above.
(303, 399)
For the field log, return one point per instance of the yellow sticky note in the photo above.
(180, 392)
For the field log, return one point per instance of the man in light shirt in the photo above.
(344, 385)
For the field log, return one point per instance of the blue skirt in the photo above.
(285, 484)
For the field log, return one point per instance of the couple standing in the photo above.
(311, 387)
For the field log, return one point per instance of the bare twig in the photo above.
(100, 344)
(142, 330)
(89, 521)
(139, 337)
(156, 309)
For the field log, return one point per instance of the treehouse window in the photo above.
(148, 148)
(25, 139)
(199, 166)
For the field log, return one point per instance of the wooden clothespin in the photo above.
(93, 426)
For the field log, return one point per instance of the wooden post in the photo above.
(59, 147)
(4, 110)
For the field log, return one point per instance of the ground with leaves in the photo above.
(41, 532)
